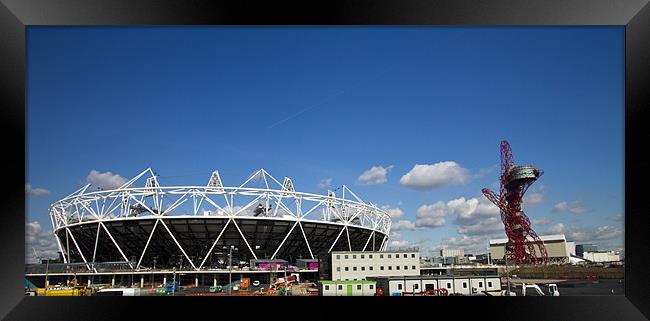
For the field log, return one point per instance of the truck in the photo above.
(59, 290)
(281, 282)
(500, 293)
(119, 292)
(552, 289)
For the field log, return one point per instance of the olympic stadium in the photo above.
(150, 226)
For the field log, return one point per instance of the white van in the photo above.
(119, 291)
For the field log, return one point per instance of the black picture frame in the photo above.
(16, 15)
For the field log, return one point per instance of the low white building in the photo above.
(349, 266)
(348, 288)
(601, 256)
(466, 285)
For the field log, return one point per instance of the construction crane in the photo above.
(515, 181)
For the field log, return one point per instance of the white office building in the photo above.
(601, 256)
(349, 266)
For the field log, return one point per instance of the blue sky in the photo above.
(326, 104)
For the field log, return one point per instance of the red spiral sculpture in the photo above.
(515, 180)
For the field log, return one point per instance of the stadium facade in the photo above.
(149, 226)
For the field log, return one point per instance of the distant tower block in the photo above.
(524, 244)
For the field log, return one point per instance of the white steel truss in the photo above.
(272, 201)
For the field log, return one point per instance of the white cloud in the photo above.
(615, 218)
(484, 171)
(375, 175)
(393, 212)
(556, 229)
(577, 234)
(607, 233)
(230, 209)
(35, 191)
(473, 210)
(427, 177)
(40, 240)
(541, 221)
(465, 241)
(398, 225)
(105, 180)
(402, 225)
(597, 234)
(325, 183)
(431, 215)
(572, 207)
(396, 240)
(561, 207)
(399, 243)
(535, 196)
(578, 210)
(489, 226)
(474, 216)
(478, 220)
(471, 244)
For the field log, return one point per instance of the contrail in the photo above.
(309, 108)
(322, 102)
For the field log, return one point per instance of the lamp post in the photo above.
(505, 255)
(174, 283)
(271, 265)
(153, 270)
(232, 247)
(488, 256)
(230, 270)
(132, 270)
(286, 282)
(47, 266)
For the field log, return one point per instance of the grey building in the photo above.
(452, 252)
(582, 248)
